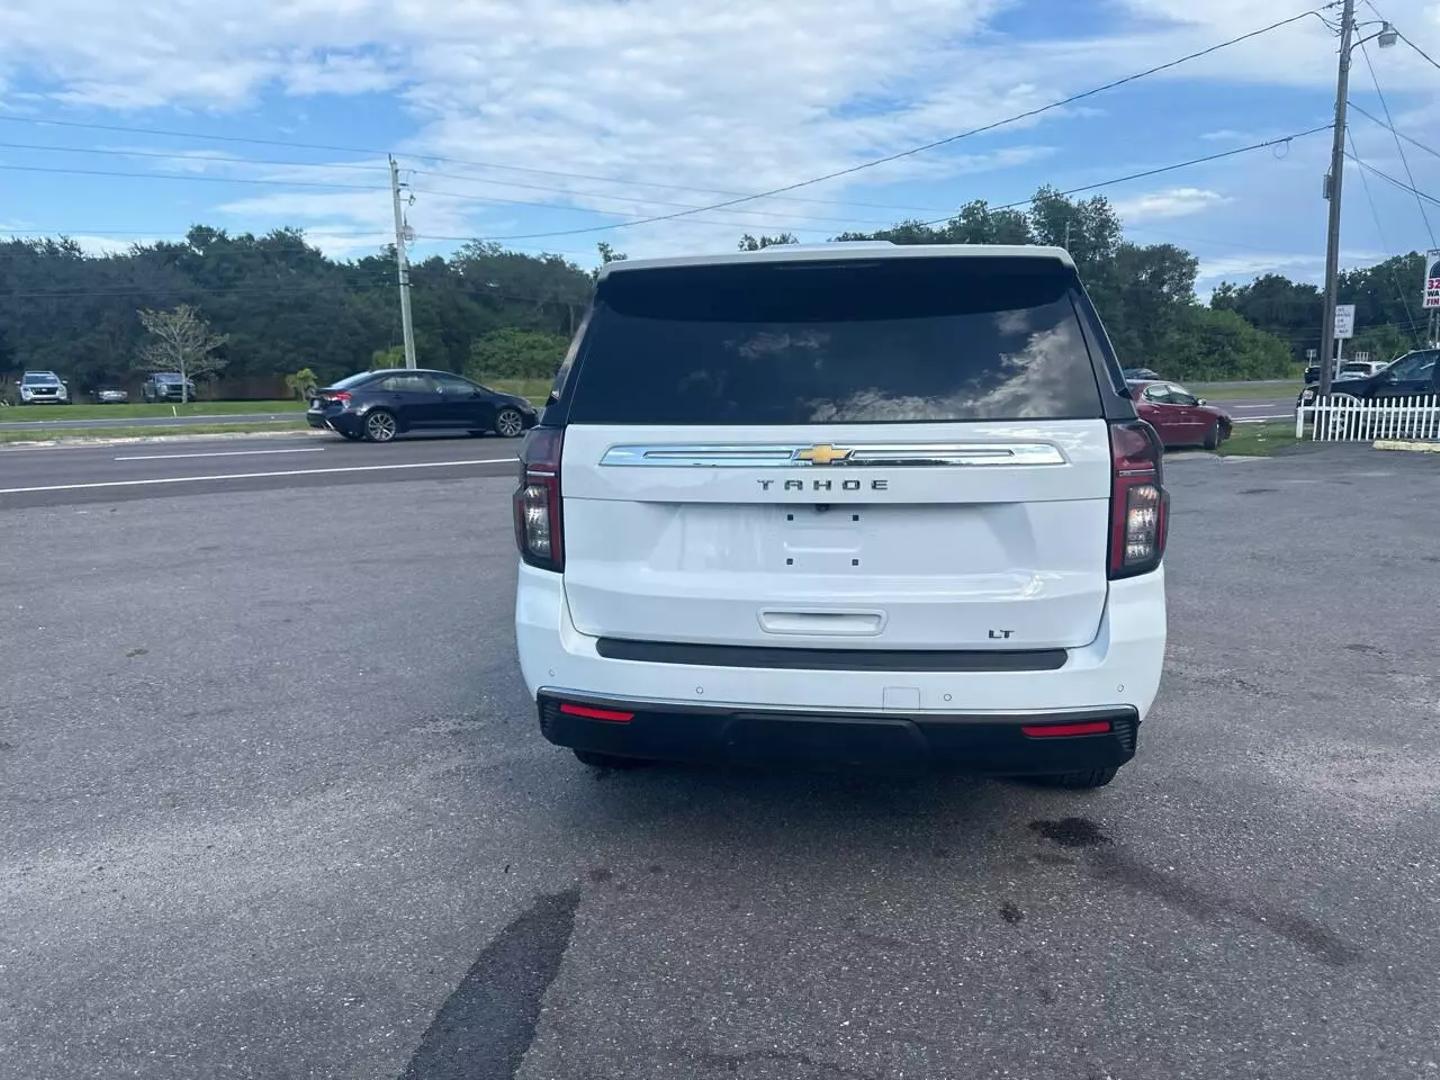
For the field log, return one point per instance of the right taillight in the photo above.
(1138, 502)
(539, 531)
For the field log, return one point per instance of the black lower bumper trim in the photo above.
(752, 656)
(979, 744)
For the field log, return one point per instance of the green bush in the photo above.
(301, 382)
(511, 353)
(1209, 345)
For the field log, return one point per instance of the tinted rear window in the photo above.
(809, 343)
(352, 380)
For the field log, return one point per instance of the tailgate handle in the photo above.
(823, 623)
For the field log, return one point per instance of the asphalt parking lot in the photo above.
(273, 804)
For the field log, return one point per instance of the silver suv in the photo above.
(43, 388)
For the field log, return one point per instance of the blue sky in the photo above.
(647, 107)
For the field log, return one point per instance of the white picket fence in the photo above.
(1342, 419)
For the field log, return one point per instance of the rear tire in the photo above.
(380, 425)
(1085, 778)
(607, 761)
(509, 424)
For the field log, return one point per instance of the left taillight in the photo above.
(336, 397)
(1139, 505)
(539, 529)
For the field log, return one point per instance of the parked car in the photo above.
(111, 395)
(1140, 374)
(167, 386)
(1181, 418)
(1350, 369)
(772, 510)
(378, 405)
(42, 388)
(1361, 369)
(1413, 374)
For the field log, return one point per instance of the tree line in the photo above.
(280, 304)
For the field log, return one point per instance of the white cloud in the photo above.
(1171, 203)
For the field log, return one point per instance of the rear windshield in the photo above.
(827, 342)
(352, 380)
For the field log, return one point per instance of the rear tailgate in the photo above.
(1006, 550)
(887, 454)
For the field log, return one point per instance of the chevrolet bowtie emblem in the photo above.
(823, 454)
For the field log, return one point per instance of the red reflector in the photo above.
(605, 714)
(1090, 727)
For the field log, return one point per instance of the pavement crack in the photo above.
(485, 1027)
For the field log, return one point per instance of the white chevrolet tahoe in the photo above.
(849, 502)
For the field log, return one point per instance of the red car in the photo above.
(1181, 418)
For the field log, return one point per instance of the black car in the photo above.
(167, 386)
(1141, 374)
(378, 405)
(1414, 374)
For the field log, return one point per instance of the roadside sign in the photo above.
(1432, 280)
(1344, 321)
(1310, 354)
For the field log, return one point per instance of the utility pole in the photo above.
(402, 267)
(1333, 186)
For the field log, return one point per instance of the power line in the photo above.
(190, 179)
(218, 159)
(613, 197)
(1027, 114)
(1394, 130)
(419, 156)
(637, 183)
(1401, 184)
(1399, 146)
(687, 211)
(1417, 48)
(1380, 233)
(335, 186)
(1162, 169)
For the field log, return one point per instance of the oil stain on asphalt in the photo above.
(486, 1025)
(1113, 864)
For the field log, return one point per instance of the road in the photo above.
(1260, 410)
(51, 425)
(53, 476)
(273, 804)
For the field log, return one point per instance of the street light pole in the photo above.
(402, 268)
(1334, 184)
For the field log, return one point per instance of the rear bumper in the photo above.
(1116, 676)
(336, 421)
(1009, 745)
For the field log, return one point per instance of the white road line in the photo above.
(1262, 419)
(220, 453)
(251, 476)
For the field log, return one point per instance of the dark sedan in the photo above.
(378, 405)
(1415, 374)
(1181, 418)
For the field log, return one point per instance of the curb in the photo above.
(1417, 445)
(80, 441)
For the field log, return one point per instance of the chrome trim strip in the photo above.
(863, 455)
